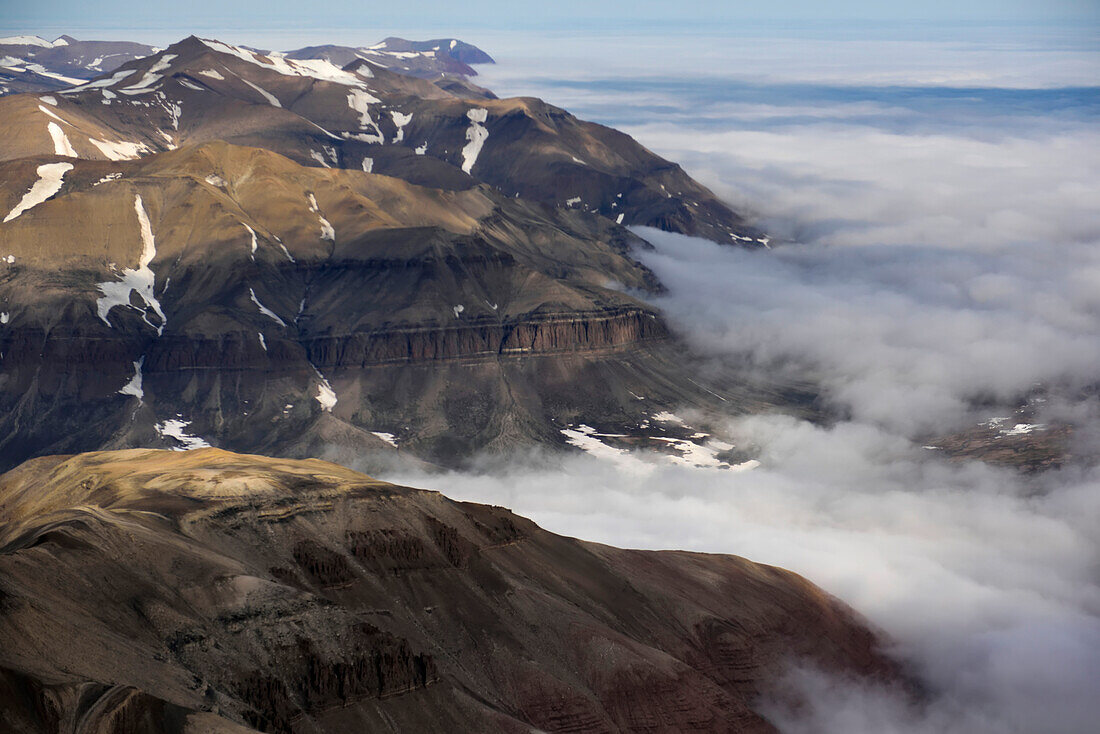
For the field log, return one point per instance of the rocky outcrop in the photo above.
(540, 334)
(162, 591)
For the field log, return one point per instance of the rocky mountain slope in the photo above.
(267, 254)
(33, 64)
(367, 118)
(203, 591)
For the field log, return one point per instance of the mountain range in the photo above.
(210, 245)
(33, 64)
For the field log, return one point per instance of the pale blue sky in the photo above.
(89, 19)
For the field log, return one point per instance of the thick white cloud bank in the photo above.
(945, 250)
(988, 588)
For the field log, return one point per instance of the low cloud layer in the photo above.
(944, 260)
(904, 337)
(986, 582)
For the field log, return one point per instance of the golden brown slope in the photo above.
(140, 588)
(365, 117)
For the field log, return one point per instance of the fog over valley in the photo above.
(935, 265)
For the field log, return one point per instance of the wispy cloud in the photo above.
(948, 249)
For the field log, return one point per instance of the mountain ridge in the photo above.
(199, 228)
(285, 596)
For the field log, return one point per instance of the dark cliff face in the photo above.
(289, 596)
(272, 281)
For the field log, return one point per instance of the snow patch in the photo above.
(327, 232)
(458, 309)
(43, 71)
(1022, 429)
(316, 68)
(212, 74)
(253, 233)
(326, 396)
(666, 417)
(102, 83)
(422, 149)
(133, 387)
(476, 135)
(387, 437)
(140, 281)
(26, 41)
(360, 101)
(121, 150)
(368, 164)
(151, 77)
(49, 181)
(271, 98)
(400, 120)
(265, 310)
(49, 100)
(61, 144)
(584, 438)
(173, 428)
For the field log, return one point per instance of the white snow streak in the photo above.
(121, 150)
(271, 99)
(173, 428)
(133, 387)
(253, 233)
(327, 232)
(476, 134)
(150, 77)
(387, 437)
(49, 180)
(141, 280)
(326, 396)
(360, 101)
(400, 120)
(61, 144)
(264, 309)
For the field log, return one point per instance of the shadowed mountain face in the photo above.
(268, 254)
(152, 591)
